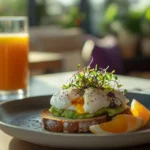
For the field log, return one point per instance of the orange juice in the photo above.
(13, 61)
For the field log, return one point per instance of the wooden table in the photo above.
(9, 143)
(49, 84)
(45, 61)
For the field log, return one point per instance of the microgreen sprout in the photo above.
(94, 77)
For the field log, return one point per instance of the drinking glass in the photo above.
(14, 45)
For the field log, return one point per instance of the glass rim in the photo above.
(13, 18)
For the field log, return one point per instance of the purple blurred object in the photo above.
(105, 56)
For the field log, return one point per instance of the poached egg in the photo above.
(89, 101)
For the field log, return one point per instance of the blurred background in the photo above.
(64, 33)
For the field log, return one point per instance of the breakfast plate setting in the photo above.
(89, 111)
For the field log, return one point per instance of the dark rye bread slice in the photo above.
(61, 124)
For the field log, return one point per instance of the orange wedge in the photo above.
(119, 124)
(139, 110)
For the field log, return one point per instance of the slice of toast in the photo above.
(61, 124)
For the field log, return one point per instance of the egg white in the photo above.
(94, 99)
(63, 99)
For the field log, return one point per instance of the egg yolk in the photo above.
(78, 103)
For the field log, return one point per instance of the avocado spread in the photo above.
(73, 115)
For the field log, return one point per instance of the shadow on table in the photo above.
(16, 144)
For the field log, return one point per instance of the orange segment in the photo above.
(119, 124)
(139, 110)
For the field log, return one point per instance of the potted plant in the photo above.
(126, 25)
(145, 44)
(73, 18)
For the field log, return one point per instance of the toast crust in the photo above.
(61, 124)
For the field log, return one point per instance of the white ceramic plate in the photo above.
(21, 119)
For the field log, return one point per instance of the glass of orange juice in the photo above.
(14, 45)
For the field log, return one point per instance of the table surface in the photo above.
(43, 61)
(49, 84)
